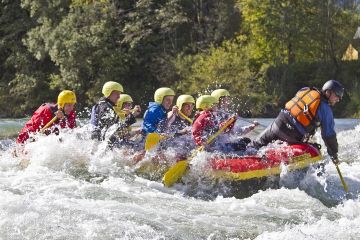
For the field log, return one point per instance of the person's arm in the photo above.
(328, 133)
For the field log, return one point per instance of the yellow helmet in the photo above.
(205, 102)
(123, 99)
(66, 96)
(161, 93)
(218, 93)
(184, 99)
(111, 86)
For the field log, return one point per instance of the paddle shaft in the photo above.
(341, 178)
(245, 120)
(185, 117)
(226, 125)
(48, 124)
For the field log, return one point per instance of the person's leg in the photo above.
(266, 137)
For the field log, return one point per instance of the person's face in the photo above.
(167, 102)
(333, 98)
(224, 102)
(187, 108)
(127, 105)
(68, 108)
(114, 96)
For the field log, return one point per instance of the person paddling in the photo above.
(303, 114)
(61, 114)
(223, 98)
(124, 108)
(155, 118)
(105, 121)
(205, 123)
(180, 122)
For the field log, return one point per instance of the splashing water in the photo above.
(73, 188)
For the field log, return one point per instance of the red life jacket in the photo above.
(304, 105)
(41, 117)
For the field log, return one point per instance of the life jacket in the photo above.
(94, 119)
(303, 107)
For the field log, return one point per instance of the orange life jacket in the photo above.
(304, 105)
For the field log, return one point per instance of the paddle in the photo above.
(185, 117)
(48, 124)
(341, 177)
(152, 139)
(178, 170)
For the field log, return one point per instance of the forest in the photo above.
(262, 51)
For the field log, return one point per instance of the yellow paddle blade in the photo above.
(175, 173)
(152, 139)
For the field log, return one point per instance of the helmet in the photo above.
(123, 99)
(111, 86)
(184, 99)
(335, 86)
(205, 102)
(218, 93)
(66, 96)
(161, 93)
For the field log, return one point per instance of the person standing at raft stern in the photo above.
(63, 110)
(155, 119)
(103, 115)
(180, 122)
(303, 114)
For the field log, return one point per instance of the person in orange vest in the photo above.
(303, 114)
(63, 110)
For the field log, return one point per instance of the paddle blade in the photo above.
(152, 139)
(175, 173)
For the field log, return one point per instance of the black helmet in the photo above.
(335, 86)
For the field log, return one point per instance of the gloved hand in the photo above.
(335, 160)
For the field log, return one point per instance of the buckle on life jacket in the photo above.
(306, 109)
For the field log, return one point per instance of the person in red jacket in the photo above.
(205, 123)
(63, 111)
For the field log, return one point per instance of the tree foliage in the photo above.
(260, 50)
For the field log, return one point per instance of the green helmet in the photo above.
(218, 93)
(161, 93)
(205, 102)
(124, 98)
(111, 86)
(184, 99)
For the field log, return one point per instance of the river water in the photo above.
(73, 189)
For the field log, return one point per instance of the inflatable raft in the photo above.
(268, 163)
